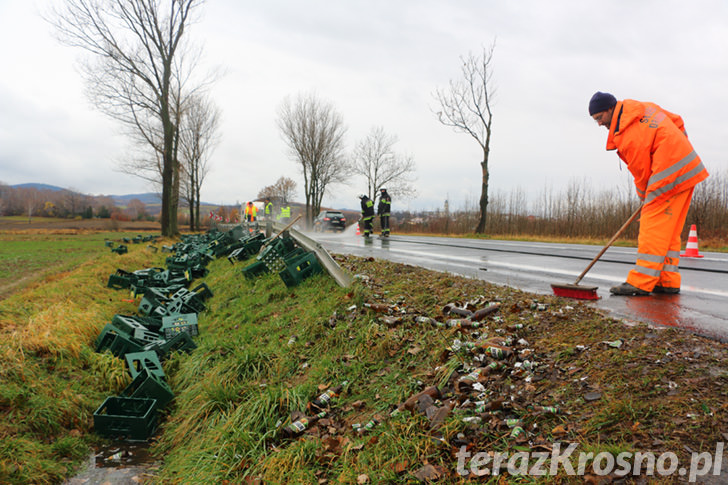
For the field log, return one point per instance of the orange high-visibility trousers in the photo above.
(658, 243)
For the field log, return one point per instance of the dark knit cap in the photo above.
(601, 102)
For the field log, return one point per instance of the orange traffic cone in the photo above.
(358, 232)
(691, 249)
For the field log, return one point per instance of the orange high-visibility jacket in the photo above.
(654, 145)
(251, 210)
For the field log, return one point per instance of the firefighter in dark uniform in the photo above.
(367, 214)
(383, 211)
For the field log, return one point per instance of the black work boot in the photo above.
(625, 289)
(665, 289)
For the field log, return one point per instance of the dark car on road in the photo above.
(329, 221)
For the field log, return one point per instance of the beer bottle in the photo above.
(452, 308)
(423, 319)
(378, 307)
(488, 406)
(323, 401)
(439, 416)
(465, 383)
(411, 402)
(484, 312)
(367, 427)
(299, 426)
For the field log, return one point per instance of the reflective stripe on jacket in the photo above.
(385, 205)
(367, 208)
(654, 145)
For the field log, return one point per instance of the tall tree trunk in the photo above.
(480, 229)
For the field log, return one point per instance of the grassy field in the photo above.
(265, 351)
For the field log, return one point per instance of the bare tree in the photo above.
(314, 132)
(197, 139)
(376, 161)
(137, 56)
(72, 202)
(465, 106)
(283, 190)
(5, 192)
(32, 200)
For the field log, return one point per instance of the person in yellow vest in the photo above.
(268, 209)
(285, 214)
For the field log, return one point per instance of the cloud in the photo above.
(379, 63)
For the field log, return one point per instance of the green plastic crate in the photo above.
(144, 360)
(121, 280)
(128, 418)
(299, 269)
(274, 254)
(180, 342)
(116, 342)
(127, 324)
(254, 270)
(150, 386)
(183, 322)
(120, 249)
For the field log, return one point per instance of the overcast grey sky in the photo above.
(379, 62)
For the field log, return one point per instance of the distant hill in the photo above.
(149, 198)
(37, 186)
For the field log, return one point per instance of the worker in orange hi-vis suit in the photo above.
(250, 212)
(654, 145)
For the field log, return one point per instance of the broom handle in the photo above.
(281, 232)
(614, 238)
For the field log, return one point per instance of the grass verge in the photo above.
(264, 351)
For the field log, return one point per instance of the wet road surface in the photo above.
(701, 306)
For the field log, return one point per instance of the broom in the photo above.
(590, 292)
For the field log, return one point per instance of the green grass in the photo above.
(26, 258)
(248, 377)
(51, 380)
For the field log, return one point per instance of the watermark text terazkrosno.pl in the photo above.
(603, 463)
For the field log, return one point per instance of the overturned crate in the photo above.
(139, 361)
(150, 386)
(117, 342)
(120, 249)
(273, 255)
(181, 342)
(299, 268)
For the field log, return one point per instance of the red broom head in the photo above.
(576, 291)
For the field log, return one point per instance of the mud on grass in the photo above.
(265, 351)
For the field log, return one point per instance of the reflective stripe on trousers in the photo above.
(658, 251)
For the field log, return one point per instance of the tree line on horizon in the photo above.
(576, 211)
(68, 204)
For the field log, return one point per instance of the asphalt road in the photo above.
(701, 307)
